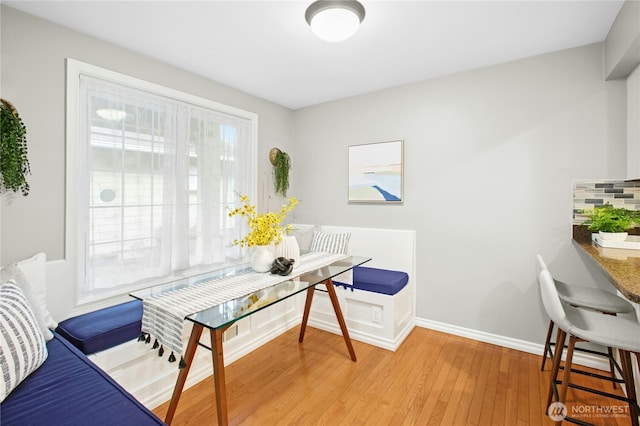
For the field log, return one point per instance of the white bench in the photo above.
(378, 319)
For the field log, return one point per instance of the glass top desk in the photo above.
(219, 318)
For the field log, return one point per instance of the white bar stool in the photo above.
(589, 298)
(583, 325)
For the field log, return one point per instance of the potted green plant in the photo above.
(611, 222)
(14, 164)
(281, 166)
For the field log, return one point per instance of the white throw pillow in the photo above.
(12, 272)
(22, 347)
(330, 242)
(35, 269)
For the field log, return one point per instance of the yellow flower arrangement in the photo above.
(265, 228)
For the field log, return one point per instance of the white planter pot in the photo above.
(289, 249)
(613, 236)
(262, 259)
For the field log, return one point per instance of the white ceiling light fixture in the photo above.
(111, 114)
(334, 20)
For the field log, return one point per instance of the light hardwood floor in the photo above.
(433, 379)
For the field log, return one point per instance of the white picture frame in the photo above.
(376, 172)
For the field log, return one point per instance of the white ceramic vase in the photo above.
(262, 259)
(289, 249)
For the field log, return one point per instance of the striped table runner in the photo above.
(163, 316)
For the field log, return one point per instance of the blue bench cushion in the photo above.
(381, 281)
(104, 328)
(68, 389)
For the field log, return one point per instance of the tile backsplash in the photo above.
(619, 193)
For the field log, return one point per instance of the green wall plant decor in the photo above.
(14, 164)
(281, 166)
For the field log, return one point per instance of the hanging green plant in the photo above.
(281, 166)
(14, 164)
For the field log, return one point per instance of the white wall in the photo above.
(33, 79)
(622, 45)
(633, 124)
(489, 159)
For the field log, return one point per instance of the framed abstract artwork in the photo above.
(376, 172)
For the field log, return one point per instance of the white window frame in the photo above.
(74, 239)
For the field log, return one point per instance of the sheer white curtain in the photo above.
(161, 175)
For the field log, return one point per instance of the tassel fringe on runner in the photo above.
(146, 338)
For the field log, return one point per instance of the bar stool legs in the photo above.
(547, 345)
(567, 370)
(627, 368)
(560, 338)
(561, 395)
(548, 352)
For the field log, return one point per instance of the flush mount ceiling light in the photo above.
(111, 114)
(334, 20)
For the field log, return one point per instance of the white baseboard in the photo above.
(580, 358)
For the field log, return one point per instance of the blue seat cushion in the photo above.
(383, 281)
(104, 328)
(68, 389)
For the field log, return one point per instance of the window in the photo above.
(156, 172)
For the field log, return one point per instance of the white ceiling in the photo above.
(267, 49)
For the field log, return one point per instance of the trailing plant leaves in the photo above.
(281, 170)
(14, 164)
